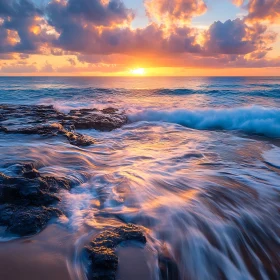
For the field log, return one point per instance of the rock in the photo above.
(27, 221)
(101, 251)
(24, 191)
(110, 111)
(46, 121)
(26, 199)
(80, 140)
(55, 130)
(6, 213)
(29, 171)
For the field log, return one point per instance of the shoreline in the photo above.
(50, 255)
(42, 256)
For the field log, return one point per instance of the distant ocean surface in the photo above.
(227, 103)
(197, 165)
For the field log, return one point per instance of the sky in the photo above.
(140, 37)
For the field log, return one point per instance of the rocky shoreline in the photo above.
(47, 121)
(29, 200)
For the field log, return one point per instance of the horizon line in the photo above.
(130, 76)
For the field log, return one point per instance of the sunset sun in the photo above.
(138, 71)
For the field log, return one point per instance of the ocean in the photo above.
(197, 166)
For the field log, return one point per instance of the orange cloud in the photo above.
(176, 12)
(268, 10)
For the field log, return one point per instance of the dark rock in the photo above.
(109, 111)
(101, 251)
(55, 130)
(24, 191)
(46, 121)
(25, 200)
(80, 140)
(105, 120)
(27, 221)
(6, 213)
(29, 171)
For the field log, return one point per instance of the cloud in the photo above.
(99, 33)
(236, 37)
(81, 33)
(6, 56)
(261, 9)
(72, 61)
(21, 27)
(76, 35)
(228, 38)
(66, 14)
(18, 69)
(174, 11)
(47, 68)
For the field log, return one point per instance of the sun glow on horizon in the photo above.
(138, 71)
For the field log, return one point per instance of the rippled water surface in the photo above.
(198, 166)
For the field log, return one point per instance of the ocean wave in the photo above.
(253, 120)
(223, 91)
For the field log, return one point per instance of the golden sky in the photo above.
(140, 37)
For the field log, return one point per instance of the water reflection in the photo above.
(207, 199)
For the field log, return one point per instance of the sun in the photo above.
(138, 71)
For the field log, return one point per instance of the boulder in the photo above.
(26, 200)
(101, 250)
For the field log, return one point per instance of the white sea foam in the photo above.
(255, 119)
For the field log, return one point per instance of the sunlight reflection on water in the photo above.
(209, 200)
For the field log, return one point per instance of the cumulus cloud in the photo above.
(81, 31)
(236, 37)
(21, 26)
(76, 35)
(261, 9)
(228, 38)
(88, 12)
(174, 11)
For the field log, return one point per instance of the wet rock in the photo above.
(27, 221)
(6, 213)
(101, 251)
(29, 171)
(24, 191)
(25, 200)
(110, 110)
(46, 121)
(105, 120)
(80, 140)
(55, 130)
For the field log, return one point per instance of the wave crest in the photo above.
(253, 120)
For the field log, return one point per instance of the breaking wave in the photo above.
(253, 120)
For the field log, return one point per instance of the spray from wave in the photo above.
(255, 119)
